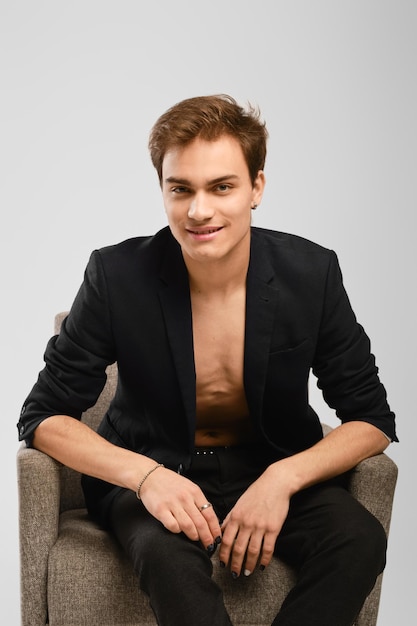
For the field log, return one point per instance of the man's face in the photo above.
(208, 196)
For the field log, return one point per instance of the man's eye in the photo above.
(223, 187)
(179, 190)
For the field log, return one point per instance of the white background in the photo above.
(81, 84)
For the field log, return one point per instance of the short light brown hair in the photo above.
(210, 117)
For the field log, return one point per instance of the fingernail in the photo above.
(262, 567)
(211, 549)
(222, 564)
(218, 540)
(235, 575)
(247, 572)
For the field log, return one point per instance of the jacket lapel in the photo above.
(261, 305)
(176, 307)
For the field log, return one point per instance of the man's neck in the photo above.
(219, 277)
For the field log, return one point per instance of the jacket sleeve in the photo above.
(344, 364)
(76, 359)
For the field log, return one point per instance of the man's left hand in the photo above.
(251, 528)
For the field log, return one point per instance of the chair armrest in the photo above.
(373, 483)
(38, 477)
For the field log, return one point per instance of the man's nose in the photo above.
(200, 208)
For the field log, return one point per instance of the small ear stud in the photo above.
(254, 206)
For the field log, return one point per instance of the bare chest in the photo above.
(219, 331)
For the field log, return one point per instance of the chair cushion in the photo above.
(90, 581)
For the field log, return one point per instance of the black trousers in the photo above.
(337, 547)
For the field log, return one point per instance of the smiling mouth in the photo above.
(205, 231)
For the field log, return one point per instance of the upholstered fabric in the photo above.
(74, 574)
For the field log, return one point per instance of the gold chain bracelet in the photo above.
(155, 467)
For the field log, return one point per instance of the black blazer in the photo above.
(134, 308)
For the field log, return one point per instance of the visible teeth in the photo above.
(205, 232)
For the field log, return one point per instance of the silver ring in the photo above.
(205, 506)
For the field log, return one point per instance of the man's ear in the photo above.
(258, 188)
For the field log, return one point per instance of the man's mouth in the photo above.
(204, 231)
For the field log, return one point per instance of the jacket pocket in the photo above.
(289, 369)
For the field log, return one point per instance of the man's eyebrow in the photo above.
(220, 179)
(178, 181)
(214, 181)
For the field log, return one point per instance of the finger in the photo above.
(253, 552)
(212, 521)
(268, 548)
(230, 531)
(239, 551)
(208, 526)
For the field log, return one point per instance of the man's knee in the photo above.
(368, 542)
(159, 554)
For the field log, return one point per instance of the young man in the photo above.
(210, 441)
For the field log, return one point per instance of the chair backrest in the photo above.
(71, 492)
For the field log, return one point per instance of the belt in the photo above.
(205, 450)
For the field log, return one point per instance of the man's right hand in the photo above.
(177, 503)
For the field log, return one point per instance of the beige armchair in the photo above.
(74, 574)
